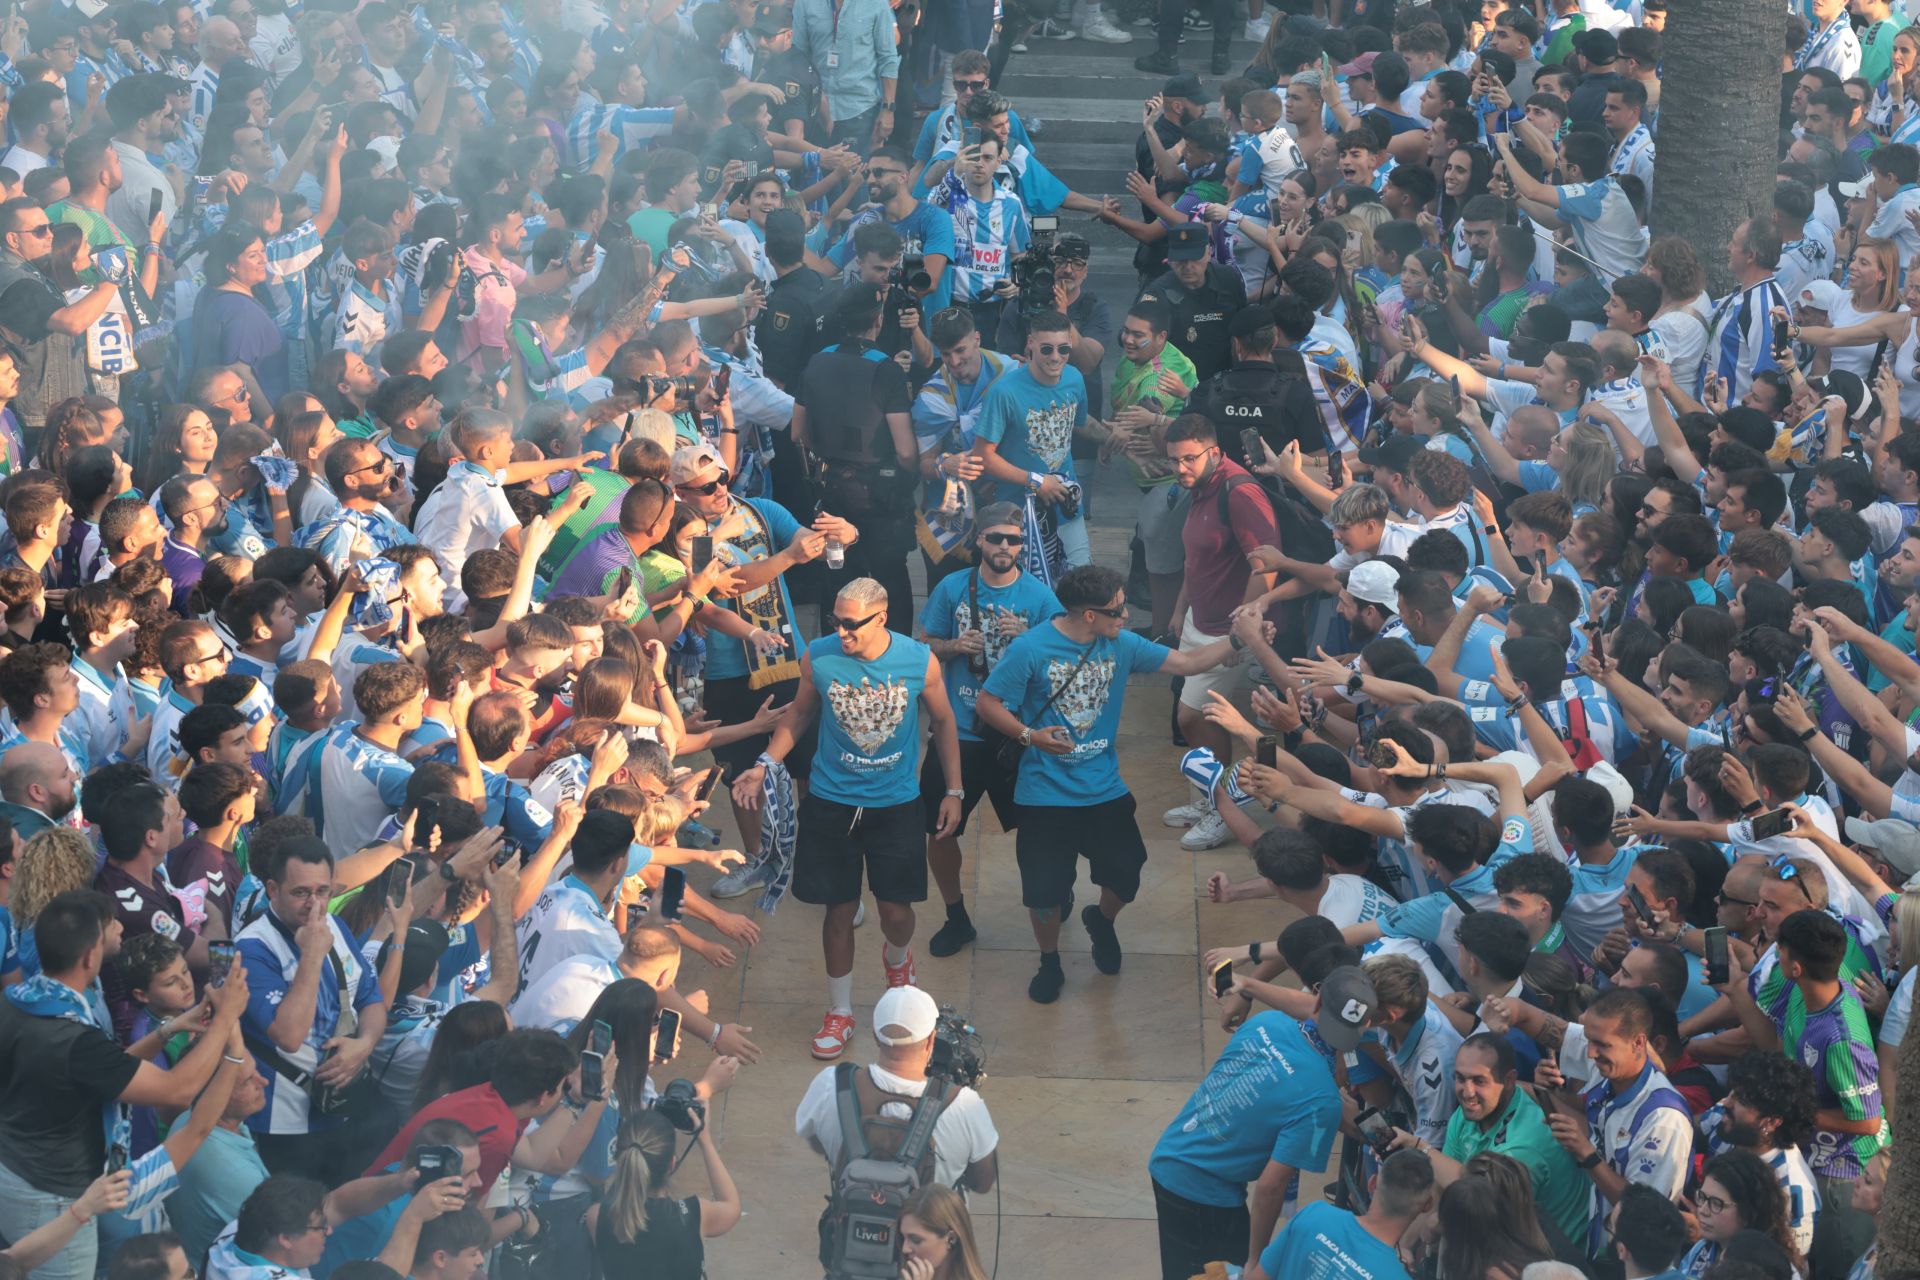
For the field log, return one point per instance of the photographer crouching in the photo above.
(915, 1121)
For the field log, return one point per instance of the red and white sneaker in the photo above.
(831, 1041)
(900, 975)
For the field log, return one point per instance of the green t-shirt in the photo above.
(651, 226)
(1876, 47)
(1504, 311)
(1562, 43)
(1560, 1189)
(1138, 384)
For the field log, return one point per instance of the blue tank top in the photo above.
(869, 722)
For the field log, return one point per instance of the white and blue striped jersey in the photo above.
(1788, 1165)
(272, 959)
(1593, 908)
(1604, 225)
(987, 235)
(361, 782)
(1740, 338)
(633, 129)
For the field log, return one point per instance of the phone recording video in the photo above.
(220, 962)
(1719, 968)
(399, 881)
(673, 892)
(593, 1061)
(1223, 979)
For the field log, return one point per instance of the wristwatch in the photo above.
(1354, 682)
(1026, 735)
(1253, 953)
(1592, 1159)
(954, 793)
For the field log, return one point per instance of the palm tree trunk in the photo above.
(1899, 1222)
(1719, 131)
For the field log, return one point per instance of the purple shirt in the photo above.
(184, 565)
(590, 571)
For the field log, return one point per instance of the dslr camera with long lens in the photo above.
(1033, 271)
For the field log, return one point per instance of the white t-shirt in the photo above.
(564, 992)
(566, 921)
(962, 1135)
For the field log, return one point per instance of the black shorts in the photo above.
(734, 701)
(1053, 837)
(980, 775)
(835, 841)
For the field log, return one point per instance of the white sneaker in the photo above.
(1257, 29)
(1208, 833)
(1185, 815)
(1099, 27)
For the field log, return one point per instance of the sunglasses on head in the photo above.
(1004, 539)
(851, 625)
(708, 489)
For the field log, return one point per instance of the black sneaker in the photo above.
(1222, 63)
(1046, 984)
(1106, 943)
(956, 933)
(1157, 63)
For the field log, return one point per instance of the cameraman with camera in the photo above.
(906, 1024)
(878, 250)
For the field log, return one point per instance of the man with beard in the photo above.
(198, 514)
(969, 620)
(925, 230)
(37, 787)
(1368, 604)
(143, 124)
(1769, 1111)
(360, 475)
(1495, 1114)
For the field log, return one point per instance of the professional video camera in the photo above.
(911, 275)
(681, 1107)
(957, 1051)
(1033, 271)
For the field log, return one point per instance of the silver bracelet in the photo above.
(238, 1062)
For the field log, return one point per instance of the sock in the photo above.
(840, 993)
(1049, 959)
(895, 956)
(957, 909)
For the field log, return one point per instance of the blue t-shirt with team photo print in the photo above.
(1032, 424)
(1088, 704)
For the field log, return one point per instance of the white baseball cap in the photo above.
(1375, 582)
(905, 1015)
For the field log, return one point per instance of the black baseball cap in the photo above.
(1185, 85)
(1072, 247)
(427, 941)
(772, 19)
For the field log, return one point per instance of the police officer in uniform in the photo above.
(1265, 389)
(1204, 296)
(776, 63)
(852, 413)
(788, 331)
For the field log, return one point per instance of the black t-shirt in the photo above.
(1201, 316)
(788, 331)
(668, 1247)
(847, 394)
(55, 1076)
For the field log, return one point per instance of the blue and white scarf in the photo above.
(778, 830)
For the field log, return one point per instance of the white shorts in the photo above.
(1228, 679)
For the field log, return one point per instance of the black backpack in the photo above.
(882, 1162)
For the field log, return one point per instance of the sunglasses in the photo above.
(708, 489)
(1726, 899)
(378, 465)
(1121, 612)
(44, 230)
(969, 86)
(1004, 539)
(851, 625)
(1053, 349)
